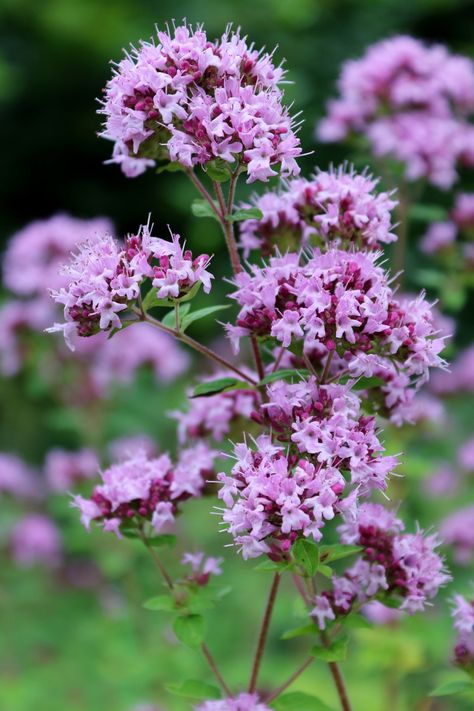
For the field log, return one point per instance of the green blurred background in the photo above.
(88, 650)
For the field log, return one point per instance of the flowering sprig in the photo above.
(411, 101)
(392, 564)
(140, 489)
(339, 207)
(333, 324)
(198, 102)
(105, 279)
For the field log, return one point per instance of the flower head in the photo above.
(105, 278)
(35, 539)
(193, 101)
(341, 301)
(243, 702)
(339, 207)
(141, 489)
(462, 613)
(411, 101)
(36, 253)
(64, 469)
(272, 498)
(391, 564)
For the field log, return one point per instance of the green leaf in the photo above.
(219, 386)
(189, 630)
(337, 551)
(355, 621)
(299, 631)
(194, 689)
(272, 565)
(363, 383)
(453, 687)
(191, 294)
(326, 571)
(218, 170)
(201, 208)
(335, 652)
(249, 213)
(170, 319)
(188, 319)
(151, 300)
(163, 540)
(428, 213)
(285, 374)
(160, 602)
(171, 167)
(306, 554)
(299, 701)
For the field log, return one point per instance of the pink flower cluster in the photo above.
(272, 498)
(466, 455)
(457, 530)
(202, 568)
(461, 377)
(35, 539)
(214, 416)
(441, 236)
(16, 478)
(327, 423)
(35, 254)
(339, 207)
(190, 100)
(392, 563)
(64, 469)
(243, 702)
(412, 102)
(463, 616)
(105, 278)
(338, 300)
(141, 489)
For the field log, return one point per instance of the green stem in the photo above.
(206, 195)
(201, 348)
(169, 582)
(262, 637)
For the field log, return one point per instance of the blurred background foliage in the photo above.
(64, 647)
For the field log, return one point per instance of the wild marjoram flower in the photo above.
(318, 453)
(392, 564)
(141, 489)
(105, 279)
(412, 102)
(192, 101)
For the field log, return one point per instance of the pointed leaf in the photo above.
(249, 213)
(170, 319)
(299, 631)
(299, 701)
(335, 652)
(219, 386)
(218, 170)
(337, 551)
(453, 687)
(163, 603)
(306, 554)
(190, 318)
(285, 374)
(189, 630)
(163, 540)
(201, 208)
(151, 300)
